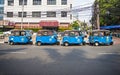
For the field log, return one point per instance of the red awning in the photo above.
(49, 23)
(11, 24)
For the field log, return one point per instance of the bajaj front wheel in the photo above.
(66, 44)
(38, 43)
(96, 44)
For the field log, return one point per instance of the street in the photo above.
(59, 60)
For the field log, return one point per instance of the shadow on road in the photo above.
(72, 63)
(7, 51)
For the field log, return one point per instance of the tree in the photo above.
(109, 12)
(75, 25)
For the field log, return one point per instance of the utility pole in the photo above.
(84, 25)
(22, 14)
(98, 15)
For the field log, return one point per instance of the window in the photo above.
(36, 2)
(2, 2)
(1, 17)
(71, 16)
(64, 2)
(36, 14)
(9, 14)
(51, 2)
(51, 14)
(10, 2)
(63, 13)
(20, 14)
(21, 2)
(70, 6)
(1, 10)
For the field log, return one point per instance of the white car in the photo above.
(7, 32)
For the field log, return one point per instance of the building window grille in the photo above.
(63, 13)
(36, 14)
(10, 2)
(9, 14)
(51, 14)
(36, 2)
(21, 2)
(64, 2)
(51, 2)
(20, 14)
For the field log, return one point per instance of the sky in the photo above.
(84, 15)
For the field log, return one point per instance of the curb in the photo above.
(1, 42)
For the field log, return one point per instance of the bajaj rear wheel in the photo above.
(111, 43)
(58, 43)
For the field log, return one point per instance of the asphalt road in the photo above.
(59, 60)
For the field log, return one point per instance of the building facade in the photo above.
(1, 9)
(38, 13)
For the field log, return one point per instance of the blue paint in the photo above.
(47, 37)
(19, 37)
(71, 37)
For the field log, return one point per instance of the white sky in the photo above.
(84, 15)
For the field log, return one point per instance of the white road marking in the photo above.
(14, 52)
(109, 53)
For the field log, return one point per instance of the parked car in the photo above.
(46, 37)
(20, 36)
(100, 37)
(73, 37)
(7, 32)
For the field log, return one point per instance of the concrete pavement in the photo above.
(59, 60)
(116, 40)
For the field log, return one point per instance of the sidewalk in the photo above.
(1, 40)
(116, 40)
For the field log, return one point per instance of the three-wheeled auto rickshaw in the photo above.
(46, 37)
(73, 37)
(20, 37)
(100, 37)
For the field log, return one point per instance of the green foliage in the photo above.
(109, 12)
(33, 29)
(75, 25)
(1, 32)
(63, 29)
(111, 6)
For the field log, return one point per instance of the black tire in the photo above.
(81, 44)
(111, 43)
(38, 43)
(84, 43)
(90, 44)
(11, 43)
(31, 43)
(58, 43)
(96, 44)
(66, 44)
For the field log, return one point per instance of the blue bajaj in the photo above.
(46, 37)
(100, 37)
(21, 37)
(73, 38)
